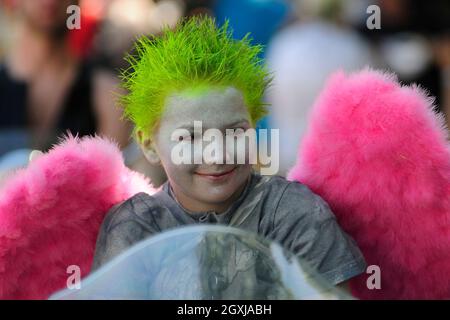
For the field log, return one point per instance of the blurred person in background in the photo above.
(413, 42)
(5, 34)
(47, 88)
(124, 21)
(261, 18)
(301, 57)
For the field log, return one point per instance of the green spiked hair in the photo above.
(196, 53)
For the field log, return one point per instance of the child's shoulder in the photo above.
(291, 196)
(281, 188)
(130, 209)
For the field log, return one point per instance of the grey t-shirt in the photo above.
(284, 211)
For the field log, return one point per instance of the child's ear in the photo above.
(147, 146)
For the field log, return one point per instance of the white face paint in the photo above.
(207, 186)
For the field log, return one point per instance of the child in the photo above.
(198, 73)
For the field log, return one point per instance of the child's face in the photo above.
(205, 186)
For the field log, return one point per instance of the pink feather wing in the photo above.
(379, 155)
(50, 214)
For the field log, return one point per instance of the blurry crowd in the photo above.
(54, 80)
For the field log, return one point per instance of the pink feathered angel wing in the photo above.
(50, 214)
(378, 154)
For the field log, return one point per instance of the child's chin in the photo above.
(218, 195)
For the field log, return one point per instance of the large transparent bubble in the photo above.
(204, 262)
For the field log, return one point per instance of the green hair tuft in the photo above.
(195, 53)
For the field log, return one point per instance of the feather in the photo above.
(51, 212)
(379, 155)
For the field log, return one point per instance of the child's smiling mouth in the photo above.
(217, 176)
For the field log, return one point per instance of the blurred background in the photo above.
(54, 80)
